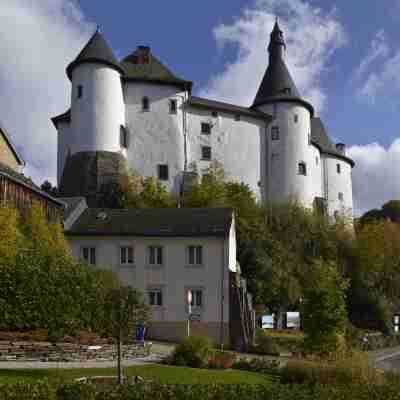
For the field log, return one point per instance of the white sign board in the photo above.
(195, 317)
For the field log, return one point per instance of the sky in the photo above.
(344, 59)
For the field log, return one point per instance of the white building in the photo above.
(164, 253)
(139, 112)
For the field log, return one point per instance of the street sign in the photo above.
(195, 317)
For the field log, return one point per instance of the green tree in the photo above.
(125, 310)
(323, 309)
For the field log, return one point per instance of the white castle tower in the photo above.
(300, 161)
(136, 113)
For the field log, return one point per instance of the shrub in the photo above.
(221, 360)
(194, 351)
(265, 345)
(257, 365)
(351, 370)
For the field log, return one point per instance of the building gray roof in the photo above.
(226, 107)
(22, 180)
(277, 84)
(70, 204)
(154, 222)
(96, 50)
(143, 65)
(11, 146)
(320, 138)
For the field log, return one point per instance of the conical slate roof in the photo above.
(142, 65)
(97, 50)
(277, 84)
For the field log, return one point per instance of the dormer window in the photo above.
(80, 91)
(214, 114)
(338, 169)
(302, 168)
(205, 128)
(145, 104)
(275, 133)
(286, 90)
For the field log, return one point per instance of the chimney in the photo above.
(341, 148)
(143, 55)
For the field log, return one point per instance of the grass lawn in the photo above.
(161, 373)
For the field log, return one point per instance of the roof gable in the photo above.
(11, 147)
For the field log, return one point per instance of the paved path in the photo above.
(387, 359)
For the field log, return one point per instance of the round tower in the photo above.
(288, 159)
(95, 146)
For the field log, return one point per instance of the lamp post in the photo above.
(189, 300)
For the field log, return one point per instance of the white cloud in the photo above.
(379, 49)
(37, 40)
(378, 73)
(376, 176)
(311, 35)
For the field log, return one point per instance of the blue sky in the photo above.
(343, 56)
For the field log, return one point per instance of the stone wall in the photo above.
(45, 351)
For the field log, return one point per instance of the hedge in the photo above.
(44, 391)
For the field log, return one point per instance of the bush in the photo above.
(257, 365)
(352, 370)
(265, 345)
(221, 360)
(194, 351)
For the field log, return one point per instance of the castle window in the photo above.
(302, 168)
(205, 128)
(145, 104)
(286, 90)
(172, 106)
(214, 114)
(80, 91)
(275, 133)
(206, 153)
(163, 173)
(338, 170)
(124, 137)
(340, 196)
(296, 118)
(237, 117)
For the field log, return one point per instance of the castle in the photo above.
(137, 113)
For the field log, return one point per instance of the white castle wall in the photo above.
(234, 144)
(282, 156)
(339, 183)
(156, 136)
(97, 116)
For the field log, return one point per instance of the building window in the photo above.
(205, 128)
(126, 255)
(214, 114)
(163, 173)
(155, 255)
(80, 91)
(275, 133)
(155, 297)
(302, 168)
(316, 161)
(124, 137)
(296, 118)
(206, 153)
(197, 298)
(145, 104)
(173, 106)
(89, 255)
(340, 196)
(237, 117)
(195, 255)
(338, 170)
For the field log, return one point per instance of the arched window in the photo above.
(145, 104)
(302, 168)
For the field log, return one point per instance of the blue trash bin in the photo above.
(140, 332)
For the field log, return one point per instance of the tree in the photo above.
(49, 188)
(125, 309)
(323, 309)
